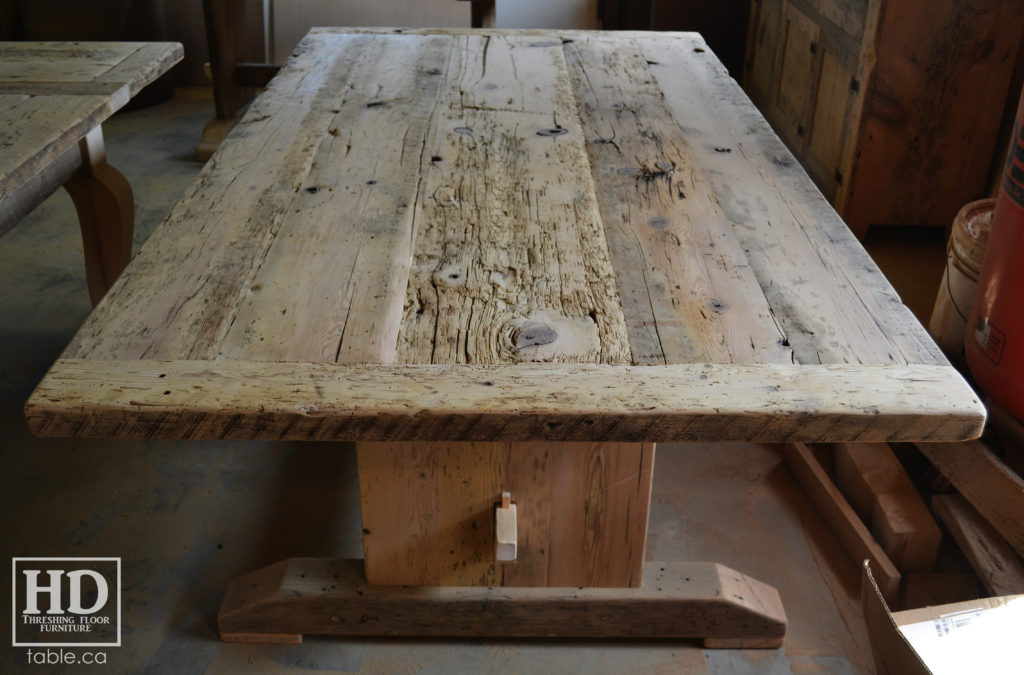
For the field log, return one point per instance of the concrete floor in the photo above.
(188, 517)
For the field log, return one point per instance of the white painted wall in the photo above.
(291, 19)
(288, 20)
(546, 14)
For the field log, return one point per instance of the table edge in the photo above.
(521, 402)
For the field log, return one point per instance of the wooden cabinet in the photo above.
(893, 107)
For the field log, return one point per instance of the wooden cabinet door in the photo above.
(829, 126)
(797, 85)
(763, 48)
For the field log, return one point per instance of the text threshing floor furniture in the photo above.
(503, 261)
(54, 97)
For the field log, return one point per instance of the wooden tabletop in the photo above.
(503, 235)
(53, 93)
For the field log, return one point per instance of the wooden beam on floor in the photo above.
(882, 494)
(986, 482)
(997, 566)
(841, 517)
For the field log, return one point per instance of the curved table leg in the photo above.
(106, 213)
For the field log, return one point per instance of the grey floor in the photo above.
(187, 517)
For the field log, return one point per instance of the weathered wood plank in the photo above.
(678, 600)
(688, 291)
(510, 259)
(349, 228)
(989, 485)
(830, 299)
(881, 492)
(225, 399)
(83, 67)
(1000, 570)
(104, 53)
(53, 93)
(181, 298)
(49, 62)
(144, 65)
(31, 191)
(36, 130)
(841, 518)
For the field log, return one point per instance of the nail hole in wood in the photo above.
(553, 131)
(312, 190)
(699, 50)
(371, 182)
(463, 130)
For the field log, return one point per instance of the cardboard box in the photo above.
(977, 636)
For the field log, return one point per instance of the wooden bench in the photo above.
(54, 97)
(503, 262)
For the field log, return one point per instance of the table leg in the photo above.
(106, 213)
(430, 568)
(428, 512)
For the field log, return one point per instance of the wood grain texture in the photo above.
(350, 224)
(240, 214)
(510, 262)
(998, 567)
(225, 399)
(53, 93)
(493, 193)
(906, 531)
(832, 302)
(878, 488)
(21, 201)
(36, 130)
(989, 485)
(428, 512)
(688, 291)
(907, 93)
(841, 518)
(678, 600)
(931, 116)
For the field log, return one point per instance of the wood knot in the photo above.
(468, 131)
(548, 335)
(532, 334)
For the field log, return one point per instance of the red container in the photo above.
(994, 343)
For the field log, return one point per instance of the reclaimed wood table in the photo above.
(54, 97)
(505, 264)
